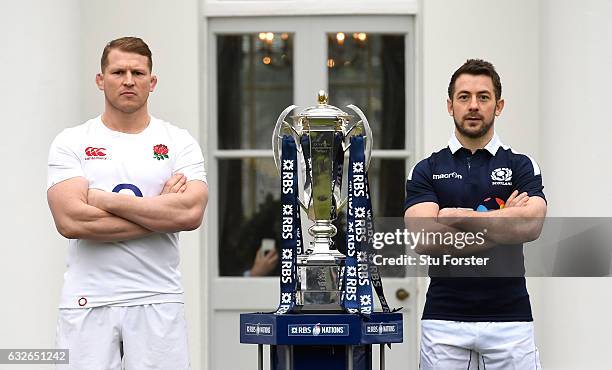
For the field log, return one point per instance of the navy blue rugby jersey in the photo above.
(454, 177)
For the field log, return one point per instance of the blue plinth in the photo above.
(321, 341)
(317, 329)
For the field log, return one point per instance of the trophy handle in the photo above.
(277, 135)
(280, 128)
(369, 142)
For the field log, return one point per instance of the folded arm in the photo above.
(423, 217)
(76, 219)
(169, 212)
(510, 225)
(521, 221)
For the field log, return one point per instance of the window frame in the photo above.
(304, 74)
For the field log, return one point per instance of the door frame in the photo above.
(303, 76)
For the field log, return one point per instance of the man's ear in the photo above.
(499, 106)
(449, 106)
(100, 81)
(153, 83)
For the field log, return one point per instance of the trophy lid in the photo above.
(323, 109)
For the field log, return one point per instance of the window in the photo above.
(259, 74)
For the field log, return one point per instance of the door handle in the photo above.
(402, 294)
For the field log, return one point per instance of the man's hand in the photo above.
(516, 200)
(264, 263)
(175, 184)
(452, 216)
(95, 197)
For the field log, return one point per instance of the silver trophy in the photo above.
(319, 267)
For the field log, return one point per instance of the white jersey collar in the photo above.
(494, 144)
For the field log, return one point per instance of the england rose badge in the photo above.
(160, 152)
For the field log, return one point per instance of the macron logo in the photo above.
(452, 175)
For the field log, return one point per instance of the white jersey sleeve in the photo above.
(63, 163)
(190, 161)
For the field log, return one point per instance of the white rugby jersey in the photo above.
(131, 272)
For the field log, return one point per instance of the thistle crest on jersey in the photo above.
(160, 151)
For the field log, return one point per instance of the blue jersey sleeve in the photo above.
(419, 185)
(527, 177)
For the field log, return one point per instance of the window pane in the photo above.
(255, 84)
(249, 211)
(368, 70)
(387, 178)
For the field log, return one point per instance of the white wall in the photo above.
(39, 91)
(50, 54)
(576, 57)
(574, 322)
(452, 32)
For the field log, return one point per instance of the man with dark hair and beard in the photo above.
(477, 315)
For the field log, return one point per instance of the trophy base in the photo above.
(312, 301)
(319, 284)
(319, 309)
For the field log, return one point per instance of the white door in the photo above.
(257, 67)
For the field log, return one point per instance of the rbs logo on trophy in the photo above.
(314, 330)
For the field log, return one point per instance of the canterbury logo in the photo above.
(95, 152)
